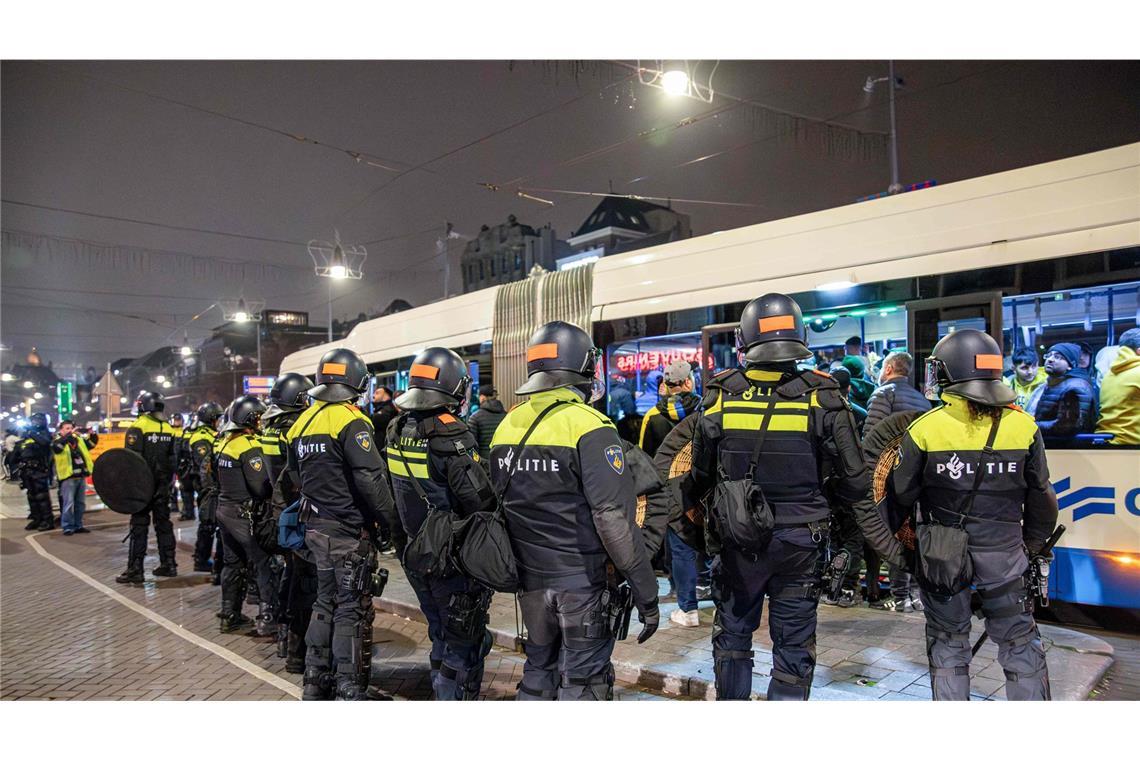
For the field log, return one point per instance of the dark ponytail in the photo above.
(983, 411)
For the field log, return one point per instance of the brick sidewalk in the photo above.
(62, 639)
(862, 654)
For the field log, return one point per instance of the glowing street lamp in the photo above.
(675, 82)
(336, 261)
(29, 384)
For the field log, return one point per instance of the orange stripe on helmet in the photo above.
(330, 368)
(425, 370)
(542, 351)
(782, 322)
(987, 361)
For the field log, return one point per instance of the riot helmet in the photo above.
(438, 378)
(208, 413)
(150, 402)
(561, 355)
(288, 394)
(38, 420)
(341, 376)
(771, 331)
(968, 363)
(245, 412)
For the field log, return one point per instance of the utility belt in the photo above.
(362, 573)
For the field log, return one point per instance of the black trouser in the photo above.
(159, 511)
(242, 555)
(568, 646)
(339, 638)
(298, 594)
(189, 488)
(457, 650)
(788, 573)
(38, 487)
(845, 535)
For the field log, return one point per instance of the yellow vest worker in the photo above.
(73, 464)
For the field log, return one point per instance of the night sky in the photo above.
(117, 139)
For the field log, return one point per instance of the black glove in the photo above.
(650, 619)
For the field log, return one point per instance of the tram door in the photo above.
(718, 350)
(931, 320)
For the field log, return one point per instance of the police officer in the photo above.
(785, 429)
(570, 511)
(152, 437)
(298, 589)
(433, 459)
(344, 495)
(243, 491)
(187, 476)
(200, 448)
(176, 482)
(33, 459)
(979, 464)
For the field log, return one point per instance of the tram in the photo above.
(1035, 256)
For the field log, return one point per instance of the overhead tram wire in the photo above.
(871, 107)
(638, 197)
(491, 135)
(357, 155)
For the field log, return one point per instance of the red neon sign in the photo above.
(651, 360)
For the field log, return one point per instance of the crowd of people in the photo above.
(297, 497)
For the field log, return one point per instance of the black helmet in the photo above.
(968, 363)
(558, 355)
(289, 394)
(772, 331)
(438, 378)
(244, 412)
(38, 420)
(151, 402)
(341, 376)
(208, 413)
(176, 420)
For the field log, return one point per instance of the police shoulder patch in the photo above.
(616, 458)
(364, 440)
(256, 464)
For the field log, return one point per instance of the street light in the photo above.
(29, 384)
(675, 82)
(895, 84)
(336, 261)
(160, 378)
(7, 377)
(167, 384)
(37, 395)
(240, 311)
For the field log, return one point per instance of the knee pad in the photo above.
(599, 687)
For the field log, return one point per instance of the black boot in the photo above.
(33, 524)
(166, 570)
(318, 684)
(282, 640)
(266, 619)
(295, 653)
(133, 573)
(234, 621)
(202, 567)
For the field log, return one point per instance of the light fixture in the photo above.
(186, 350)
(166, 384)
(675, 82)
(15, 408)
(7, 377)
(87, 408)
(834, 285)
(116, 373)
(690, 79)
(338, 269)
(29, 384)
(160, 378)
(37, 395)
(123, 399)
(242, 313)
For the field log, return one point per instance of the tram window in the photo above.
(1085, 325)
(639, 364)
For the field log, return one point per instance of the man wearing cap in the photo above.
(677, 402)
(1067, 403)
